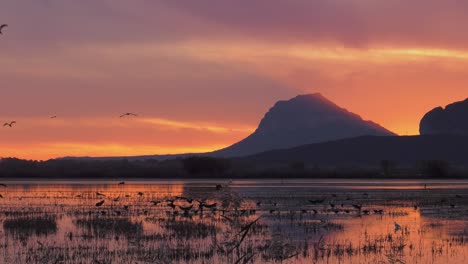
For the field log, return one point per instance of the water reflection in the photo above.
(244, 221)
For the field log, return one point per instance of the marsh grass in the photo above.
(30, 225)
(102, 227)
(189, 230)
(266, 227)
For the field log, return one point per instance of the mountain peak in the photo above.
(304, 119)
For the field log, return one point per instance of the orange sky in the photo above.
(201, 76)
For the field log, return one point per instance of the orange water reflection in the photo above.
(297, 222)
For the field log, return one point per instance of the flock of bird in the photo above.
(188, 207)
(11, 123)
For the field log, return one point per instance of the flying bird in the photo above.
(128, 114)
(9, 124)
(2, 27)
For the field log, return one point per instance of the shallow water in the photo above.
(265, 221)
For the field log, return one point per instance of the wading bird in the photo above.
(155, 202)
(397, 226)
(128, 114)
(9, 124)
(186, 209)
(316, 201)
(171, 204)
(3, 27)
(189, 200)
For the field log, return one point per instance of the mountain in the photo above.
(370, 151)
(449, 121)
(304, 119)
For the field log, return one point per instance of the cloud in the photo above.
(352, 23)
(213, 128)
(44, 138)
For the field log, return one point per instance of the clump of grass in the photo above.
(180, 253)
(435, 225)
(189, 230)
(105, 226)
(397, 213)
(279, 249)
(28, 226)
(316, 226)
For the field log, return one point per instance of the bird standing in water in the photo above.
(397, 226)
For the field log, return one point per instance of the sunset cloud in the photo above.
(202, 74)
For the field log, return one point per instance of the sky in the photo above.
(201, 74)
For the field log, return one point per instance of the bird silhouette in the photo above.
(128, 114)
(397, 226)
(316, 201)
(2, 27)
(188, 200)
(121, 183)
(100, 203)
(53, 117)
(9, 124)
(186, 209)
(171, 204)
(155, 202)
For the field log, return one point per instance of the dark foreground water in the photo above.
(248, 221)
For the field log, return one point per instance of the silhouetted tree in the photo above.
(205, 165)
(297, 165)
(436, 168)
(388, 167)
